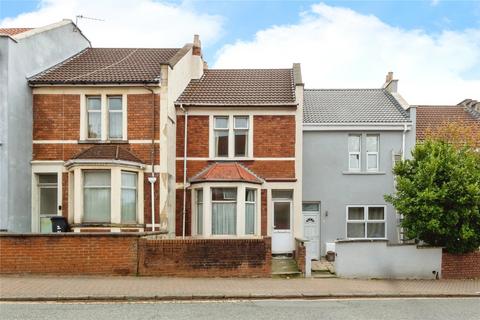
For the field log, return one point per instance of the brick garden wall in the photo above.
(461, 266)
(133, 254)
(205, 257)
(300, 255)
(88, 254)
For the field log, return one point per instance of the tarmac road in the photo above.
(344, 309)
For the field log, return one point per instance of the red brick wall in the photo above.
(205, 257)
(274, 136)
(198, 132)
(69, 254)
(56, 117)
(139, 115)
(461, 266)
(129, 254)
(179, 213)
(65, 195)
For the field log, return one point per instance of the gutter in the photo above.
(185, 141)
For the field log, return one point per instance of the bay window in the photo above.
(250, 211)
(224, 211)
(367, 222)
(199, 211)
(96, 192)
(129, 197)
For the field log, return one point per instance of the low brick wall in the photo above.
(68, 254)
(461, 266)
(300, 255)
(133, 254)
(205, 257)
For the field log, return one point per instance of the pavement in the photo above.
(81, 288)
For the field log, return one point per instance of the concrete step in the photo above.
(285, 267)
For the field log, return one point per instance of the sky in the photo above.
(433, 46)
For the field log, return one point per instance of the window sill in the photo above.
(106, 225)
(102, 141)
(364, 173)
(231, 159)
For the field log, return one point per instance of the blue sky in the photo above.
(432, 46)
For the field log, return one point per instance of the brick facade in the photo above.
(274, 136)
(461, 266)
(133, 254)
(198, 133)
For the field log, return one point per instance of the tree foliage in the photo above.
(438, 193)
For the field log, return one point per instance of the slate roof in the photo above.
(431, 117)
(111, 65)
(240, 87)
(226, 172)
(13, 31)
(352, 106)
(107, 152)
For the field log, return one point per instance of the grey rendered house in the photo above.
(23, 53)
(351, 139)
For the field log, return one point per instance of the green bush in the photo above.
(438, 193)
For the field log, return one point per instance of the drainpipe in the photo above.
(152, 179)
(403, 140)
(185, 141)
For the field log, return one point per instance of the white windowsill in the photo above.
(363, 172)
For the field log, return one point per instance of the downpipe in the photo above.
(185, 140)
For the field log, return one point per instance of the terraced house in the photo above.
(104, 137)
(239, 149)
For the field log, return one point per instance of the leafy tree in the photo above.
(438, 193)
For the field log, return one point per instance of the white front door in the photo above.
(311, 231)
(282, 235)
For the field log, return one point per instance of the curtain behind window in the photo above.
(96, 201)
(224, 218)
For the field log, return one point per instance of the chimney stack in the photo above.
(390, 84)
(197, 46)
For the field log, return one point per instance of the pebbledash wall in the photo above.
(133, 254)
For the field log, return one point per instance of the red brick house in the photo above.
(239, 140)
(103, 128)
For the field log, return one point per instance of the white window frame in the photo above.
(225, 201)
(365, 220)
(114, 111)
(376, 153)
(231, 137)
(227, 129)
(359, 152)
(129, 188)
(247, 130)
(254, 202)
(199, 202)
(98, 187)
(104, 109)
(93, 111)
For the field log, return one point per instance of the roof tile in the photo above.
(107, 152)
(241, 87)
(226, 171)
(13, 31)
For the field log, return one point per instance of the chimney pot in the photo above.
(197, 45)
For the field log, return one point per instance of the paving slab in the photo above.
(49, 288)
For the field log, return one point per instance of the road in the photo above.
(391, 309)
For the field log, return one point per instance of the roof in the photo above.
(352, 106)
(107, 152)
(472, 104)
(13, 31)
(431, 117)
(240, 87)
(226, 171)
(111, 65)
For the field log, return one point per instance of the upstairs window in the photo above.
(94, 117)
(115, 121)
(354, 150)
(372, 152)
(241, 136)
(221, 136)
(104, 118)
(231, 136)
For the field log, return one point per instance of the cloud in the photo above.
(128, 23)
(340, 48)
